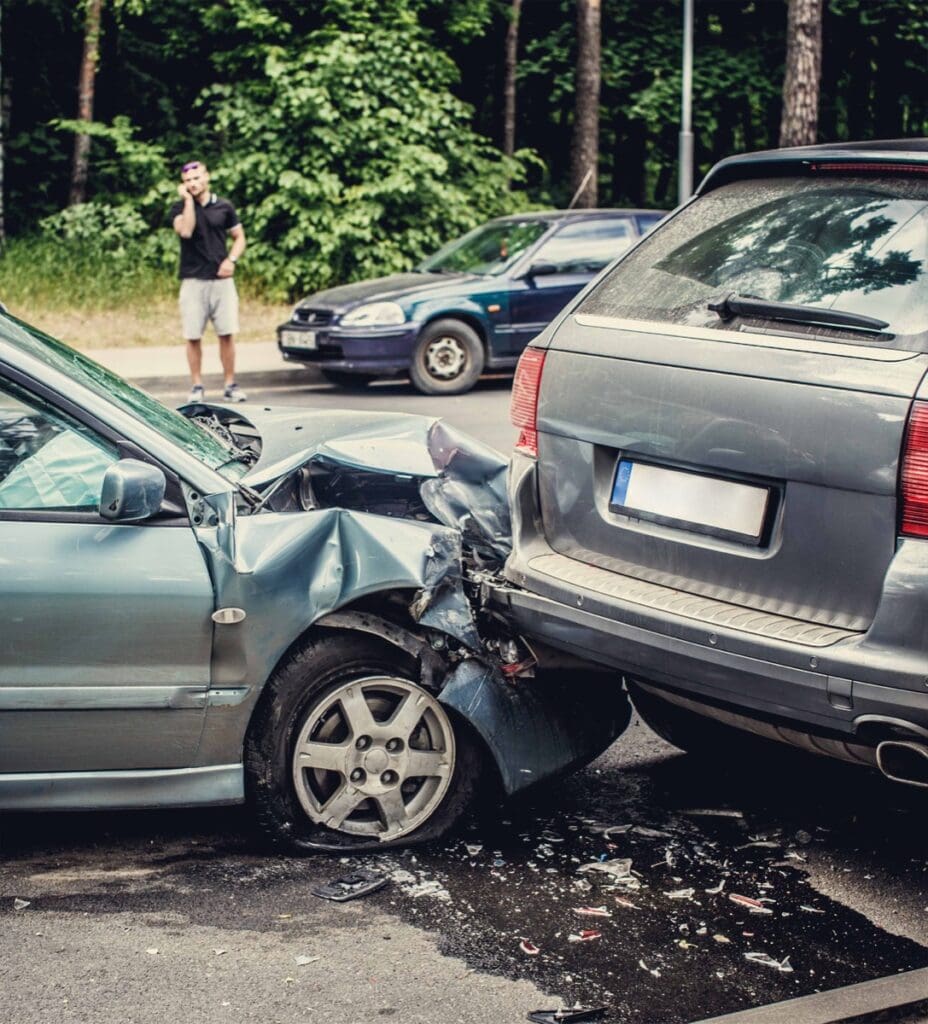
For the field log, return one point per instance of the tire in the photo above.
(346, 380)
(703, 737)
(397, 773)
(448, 359)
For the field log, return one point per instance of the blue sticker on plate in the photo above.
(622, 477)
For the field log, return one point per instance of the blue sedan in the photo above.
(471, 307)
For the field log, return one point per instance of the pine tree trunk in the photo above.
(85, 88)
(799, 125)
(509, 83)
(584, 154)
(4, 110)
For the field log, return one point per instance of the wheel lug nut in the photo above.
(388, 778)
(357, 775)
(394, 745)
(363, 742)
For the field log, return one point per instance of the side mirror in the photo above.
(541, 269)
(132, 490)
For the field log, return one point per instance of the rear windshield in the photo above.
(858, 245)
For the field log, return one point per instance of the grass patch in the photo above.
(96, 300)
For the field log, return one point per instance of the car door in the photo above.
(563, 264)
(105, 629)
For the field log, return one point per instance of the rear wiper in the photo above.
(750, 305)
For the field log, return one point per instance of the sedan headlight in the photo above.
(375, 314)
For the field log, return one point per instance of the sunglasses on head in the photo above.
(190, 166)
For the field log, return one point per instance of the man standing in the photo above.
(207, 289)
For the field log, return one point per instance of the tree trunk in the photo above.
(584, 154)
(85, 87)
(801, 82)
(509, 83)
(4, 109)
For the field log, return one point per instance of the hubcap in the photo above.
(388, 785)
(445, 357)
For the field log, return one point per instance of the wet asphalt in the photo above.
(186, 916)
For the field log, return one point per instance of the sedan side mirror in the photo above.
(132, 490)
(541, 269)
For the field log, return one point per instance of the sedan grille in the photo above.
(314, 317)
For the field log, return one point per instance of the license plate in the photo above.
(298, 339)
(705, 504)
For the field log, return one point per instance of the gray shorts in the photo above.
(205, 301)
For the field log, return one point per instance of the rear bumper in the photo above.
(836, 688)
(375, 350)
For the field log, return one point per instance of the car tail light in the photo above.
(913, 477)
(523, 408)
(865, 167)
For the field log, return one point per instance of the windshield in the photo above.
(176, 428)
(490, 249)
(859, 245)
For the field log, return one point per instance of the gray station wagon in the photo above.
(721, 483)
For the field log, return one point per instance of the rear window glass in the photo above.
(853, 244)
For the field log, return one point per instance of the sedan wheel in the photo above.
(374, 758)
(347, 750)
(448, 358)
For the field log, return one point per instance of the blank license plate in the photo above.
(706, 504)
(298, 339)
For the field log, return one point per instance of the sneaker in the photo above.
(233, 393)
(197, 394)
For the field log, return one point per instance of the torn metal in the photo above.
(398, 525)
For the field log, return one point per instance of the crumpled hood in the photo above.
(393, 287)
(461, 481)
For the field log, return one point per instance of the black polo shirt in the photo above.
(201, 254)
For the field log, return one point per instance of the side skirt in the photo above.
(129, 790)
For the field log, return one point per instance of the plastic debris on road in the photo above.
(587, 935)
(592, 911)
(622, 902)
(302, 961)
(529, 948)
(765, 960)
(653, 971)
(754, 906)
(19, 904)
(351, 887)
(568, 1014)
(716, 889)
(473, 849)
(681, 894)
(810, 910)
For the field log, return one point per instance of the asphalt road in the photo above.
(184, 916)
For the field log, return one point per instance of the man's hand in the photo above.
(226, 268)
(182, 191)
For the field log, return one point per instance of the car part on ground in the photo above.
(309, 587)
(719, 486)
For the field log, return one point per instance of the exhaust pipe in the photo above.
(903, 761)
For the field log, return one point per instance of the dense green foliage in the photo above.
(356, 135)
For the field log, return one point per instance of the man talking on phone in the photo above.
(204, 221)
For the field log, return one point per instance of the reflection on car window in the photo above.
(47, 461)
(486, 250)
(854, 244)
(586, 246)
(170, 424)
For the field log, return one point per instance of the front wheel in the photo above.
(348, 751)
(448, 360)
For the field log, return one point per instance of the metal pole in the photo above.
(686, 107)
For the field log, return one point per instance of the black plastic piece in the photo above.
(351, 887)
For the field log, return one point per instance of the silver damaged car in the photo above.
(285, 607)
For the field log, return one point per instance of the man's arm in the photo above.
(186, 221)
(227, 267)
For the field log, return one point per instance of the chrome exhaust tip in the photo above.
(903, 761)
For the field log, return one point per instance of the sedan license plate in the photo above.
(704, 504)
(298, 339)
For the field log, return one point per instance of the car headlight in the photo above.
(375, 314)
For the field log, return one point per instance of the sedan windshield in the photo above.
(855, 246)
(490, 249)
(176, 428)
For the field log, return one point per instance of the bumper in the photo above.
(844, 688)
(374, 350)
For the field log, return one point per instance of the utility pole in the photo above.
(686, 107)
